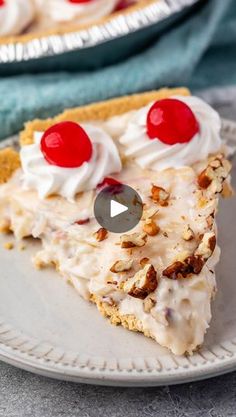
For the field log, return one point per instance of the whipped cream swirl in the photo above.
(15, 16)
(156, 155)
(64, 11)
(50, 179)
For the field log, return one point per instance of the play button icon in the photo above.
(118, 208)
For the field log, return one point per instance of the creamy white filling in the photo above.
(156, 155)
(50, 179)
(15, 16)
(63, 11)
(182, 312)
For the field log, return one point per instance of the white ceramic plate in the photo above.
(46, 328)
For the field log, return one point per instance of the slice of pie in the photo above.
(158, 278)
(24, 20)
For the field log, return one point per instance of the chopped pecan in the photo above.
(133, 240)
(148, 304)
(151, 228)
(195, 264)
(144, 261)
(101, 234)
(174, 271)
(188, 234)
(207, 245)
(160, 195)
(149, 213)
(143, 283)
(191, 265)
(122, 266)
(210, 219)
(215, 174)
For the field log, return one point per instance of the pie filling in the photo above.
(159, 277)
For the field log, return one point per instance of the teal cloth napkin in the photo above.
(198, 52)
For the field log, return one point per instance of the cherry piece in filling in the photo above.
(108, 181)
(79, 1)
(66, 145)
(171, 121)
(123, 4)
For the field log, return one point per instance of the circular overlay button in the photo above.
(118, 208)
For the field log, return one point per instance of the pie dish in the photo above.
(159, 278)
(25, 20)
(89, 46)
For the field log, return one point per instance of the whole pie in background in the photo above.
(22, 20)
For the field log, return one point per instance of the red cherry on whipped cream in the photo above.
(66, 145)
(2, 3)
(171, 121)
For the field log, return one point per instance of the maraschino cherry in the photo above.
(171, 121)
(2, 3)
(66, 145)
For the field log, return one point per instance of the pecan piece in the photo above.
(195, 264)
(122, 266)
(151, 228)
(210, 219)
(149, 213)
(191, 265)
(207, 245)
(144, 261)
(160, 195)
(215, 174)
(174, 271)
(143, 283)
(188, 234)
(148, 304)
(133, 240)
(101, 234)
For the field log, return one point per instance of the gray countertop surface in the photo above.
(24, 394)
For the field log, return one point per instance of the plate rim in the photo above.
(125, 378)
(41, 358)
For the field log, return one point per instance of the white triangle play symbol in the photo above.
(117, 208)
